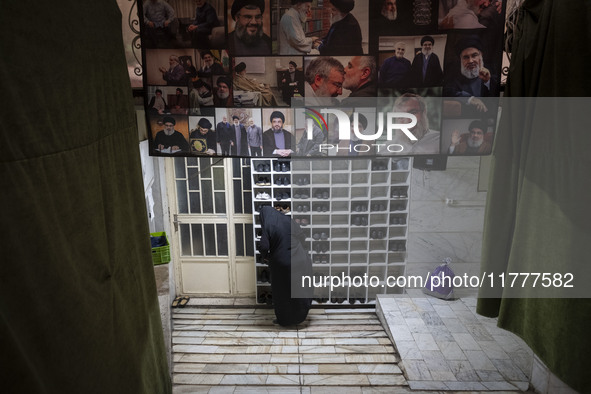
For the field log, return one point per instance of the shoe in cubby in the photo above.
(397, 206)
(301, 194)
(397, 246)
(262, 196)
(359, 220)
(321, 207)
(281, 166)
(302, 180)
(302, 221)
(283, 208)
(321, 246)
(377, 233)
(358, 207)
(302, 208)
(316, 247)
(321, 234)
(262, 297)
(282, 195)
(264, 276)
(378, 206)
(379, 165)
(398, 220)
(321, 193)
(399, 193)
(282, 181)
(262, 166)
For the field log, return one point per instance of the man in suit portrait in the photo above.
(224, 134)
(473, 81)
(394, 70)
(425, 70)
(292, 82)
(240, 138)
(277, 140)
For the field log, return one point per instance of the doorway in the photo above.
(211, 223)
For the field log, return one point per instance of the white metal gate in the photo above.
(211, 212)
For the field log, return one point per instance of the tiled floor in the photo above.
(445, 345)
(239, 350)
(233, 347)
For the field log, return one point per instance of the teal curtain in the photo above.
(78, 304)
(538, 217)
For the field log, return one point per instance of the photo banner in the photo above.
(283, 78)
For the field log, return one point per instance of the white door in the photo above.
(211, 213)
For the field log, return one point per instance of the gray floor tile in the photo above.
(478, 332)
(441, 334)
(489, 376)
(408, 350)
(451, 350)
(425, 341)
(416, 370)
(463, 371)
(444, 311)
(479, 360)
(509, 370)
(466, 341)
(431, 318)
(401, 332)
(493, 350)
(470, 349)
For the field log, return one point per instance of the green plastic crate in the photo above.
(161, 254)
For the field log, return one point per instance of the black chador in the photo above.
(282, 244)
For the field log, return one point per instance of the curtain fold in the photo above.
(78, 303)
(538, 217)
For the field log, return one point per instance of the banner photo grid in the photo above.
(284, 78)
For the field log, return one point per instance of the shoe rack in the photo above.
(271, 186)
(354, 214)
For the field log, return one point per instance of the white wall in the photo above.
(438, 230)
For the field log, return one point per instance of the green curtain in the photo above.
(78, 304)
(538, 217)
